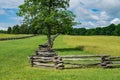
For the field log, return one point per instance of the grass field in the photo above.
(11, 35)
(14, 62)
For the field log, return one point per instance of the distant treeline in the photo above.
(3, 31)
(109, 30)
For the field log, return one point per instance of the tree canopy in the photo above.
(49, 14)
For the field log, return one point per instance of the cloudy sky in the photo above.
(91, 13)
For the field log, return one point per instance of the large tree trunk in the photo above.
(49, 27)
(53, 38)
(50, 42)
(49, 37)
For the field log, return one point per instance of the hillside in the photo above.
(14, 62)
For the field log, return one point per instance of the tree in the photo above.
(9, 30)
(117, 30)
(15, 29)
(3, 31)
(110, 29)
(23, 29)
(46, 13)
(90, 31)
(65, 23)
(98, 31)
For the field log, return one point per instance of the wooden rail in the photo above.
(110, 62)
(73, 61)
(40, 61)
(14, 38)
(81, 61)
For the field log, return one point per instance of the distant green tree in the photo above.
(31, 30)
(79, 31)
(15, 29)
(9, 30)
(90, 31)
(103, 31)
(46, 13)
(23, 29)
(117, 30)
(110, 29)
(3, 31)
(82, 31)
(75, 31)
(97, 31)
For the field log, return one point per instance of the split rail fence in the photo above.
(75, 61)
(15, 38)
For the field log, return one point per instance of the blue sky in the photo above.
(91, 13)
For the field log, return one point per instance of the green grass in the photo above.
(95, 44)
(14, 62)
(11, 35)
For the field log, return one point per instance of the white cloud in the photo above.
(91, 24)
(4, 26)
(88, 24)
(115, 21)
(18, 19)
(2, 12)
(110, 6)
(95, 17)
(10, 3)
(74, 4)
(104, 15)
(105, 11)
(9, 8)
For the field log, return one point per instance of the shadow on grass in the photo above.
(79, 48)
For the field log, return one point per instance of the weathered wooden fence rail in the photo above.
(14, 38)
(73, 61)
(41, 61)
(110, 62)
(81, 61)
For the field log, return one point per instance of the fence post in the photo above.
(105, 61)
(59, 64)
(31, 61)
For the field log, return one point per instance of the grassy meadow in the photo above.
(14, 62)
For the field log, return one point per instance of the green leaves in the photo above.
(41, 8)
(44, 13)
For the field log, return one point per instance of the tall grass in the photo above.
(14, 62)
(95, 44)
